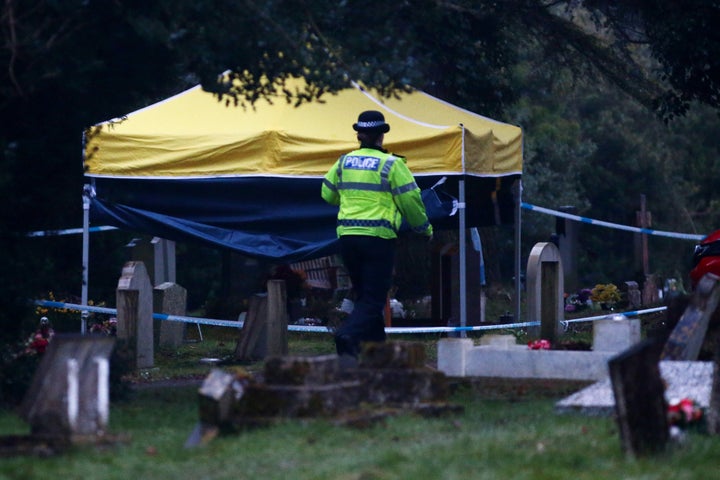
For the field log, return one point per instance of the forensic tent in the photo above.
(248, 179)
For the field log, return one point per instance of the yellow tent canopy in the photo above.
(248, 178)
(193, 134)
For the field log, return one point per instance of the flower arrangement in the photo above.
(541, 344)
(66, 319)
(684, 413)
(578, 301)
(605, 293)
(107, 327)
(39, 340)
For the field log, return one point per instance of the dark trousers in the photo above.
(369, 262)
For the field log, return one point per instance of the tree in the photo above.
(70, 64)
(682, 38)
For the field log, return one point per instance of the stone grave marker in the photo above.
(134, 298)
(640, 406)
(69, 394)
(219, 392)
(687, 337)
(632, 294)
(171, 299)
(264, 332)
(545, 290)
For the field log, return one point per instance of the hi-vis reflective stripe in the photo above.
(329, 185)
(368, 187)
(405, 188)
(365, 223)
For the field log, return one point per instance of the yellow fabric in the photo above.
(195, 135)
(374, 210)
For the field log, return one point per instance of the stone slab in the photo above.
(406, 386)
(261, 400)
(171, 299)
(452, 354)
(499, 341)
(522, 362)
(302, 370)
(682, 378)
(615, 335)
(396, 354)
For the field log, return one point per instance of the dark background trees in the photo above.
(615, 101)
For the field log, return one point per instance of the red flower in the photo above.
(684, 412)
(39, 343)
(539, 345)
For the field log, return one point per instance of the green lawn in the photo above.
(517, 437)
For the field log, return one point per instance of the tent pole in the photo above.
(518, 237)
(85, 256)
(463, 276)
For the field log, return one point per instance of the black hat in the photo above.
(371, 121)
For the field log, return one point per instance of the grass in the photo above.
(497, 437)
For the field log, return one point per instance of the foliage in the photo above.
(599, 151)
(681, 37)
(71, 64)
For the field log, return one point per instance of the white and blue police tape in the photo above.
(69, 231)
(612, 316)
(318, 328)
(156, 316)
(295, 328)
(648, 231)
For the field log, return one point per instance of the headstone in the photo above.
(545, 290)
(264, 332)
(640, 406)
(171, 299)
(252, 328)
(134, 298)
(69, 394)
(650, 290)
(632, 294)
(216, 397)
(158, 256)
(164, 269)
(688, 335)
(275, 341)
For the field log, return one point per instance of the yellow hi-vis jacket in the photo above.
(374, 190)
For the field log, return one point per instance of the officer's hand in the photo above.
(429, 238)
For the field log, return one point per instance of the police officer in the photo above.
(375, 190)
